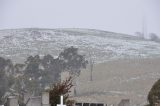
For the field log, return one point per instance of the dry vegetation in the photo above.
(115, 80)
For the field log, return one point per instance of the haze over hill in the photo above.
(132, 77)
(103, 46)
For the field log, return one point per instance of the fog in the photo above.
(123, 16)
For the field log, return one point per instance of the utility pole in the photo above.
(144, 26)
(91, 67)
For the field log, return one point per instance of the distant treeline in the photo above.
(151, 36)
(37, 73)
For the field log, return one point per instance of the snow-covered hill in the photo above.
(132, 78)
(17, 44)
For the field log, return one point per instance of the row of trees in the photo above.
(37, 73)
(152, 36)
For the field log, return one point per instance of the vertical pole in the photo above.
(144, 26)
(91, 68)
(61, 100)
(91, 79)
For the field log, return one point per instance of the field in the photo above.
(116, 80)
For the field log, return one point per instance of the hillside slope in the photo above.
(116, 80)
(130, 76)
(17, 44)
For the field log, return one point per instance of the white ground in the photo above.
(102, 45)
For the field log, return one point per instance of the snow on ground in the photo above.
(112, 80)
(102, 45)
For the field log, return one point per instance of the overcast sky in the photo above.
(123, 16)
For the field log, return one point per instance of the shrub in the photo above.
(154, 94)
(59, 89)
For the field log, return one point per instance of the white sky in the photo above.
(123, 16)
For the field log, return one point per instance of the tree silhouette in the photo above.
(32, 74)
(61, 89)
(154, 37)
(73, 61)
(6, 80)
(37, 73)
(154, 94)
